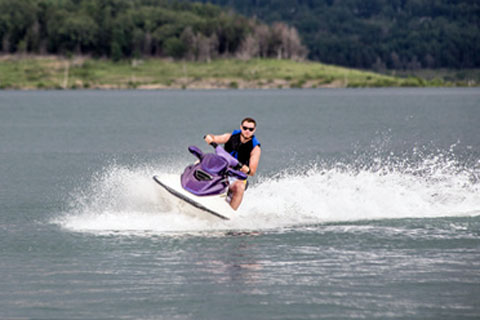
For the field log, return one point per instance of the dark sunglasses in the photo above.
(247, 128)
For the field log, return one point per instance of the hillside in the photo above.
(124, 29)
(188, 44)
(378, 34)
(54, 72)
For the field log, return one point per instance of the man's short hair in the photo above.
(251, 120)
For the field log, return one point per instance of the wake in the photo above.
(127, 200)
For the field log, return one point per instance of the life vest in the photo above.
(240, 151)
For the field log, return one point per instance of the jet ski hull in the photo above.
(214, 207)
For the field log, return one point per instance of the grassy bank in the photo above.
(458, 77)
(53, 72)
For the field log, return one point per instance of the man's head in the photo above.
(248, 127)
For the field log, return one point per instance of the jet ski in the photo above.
(202, 189)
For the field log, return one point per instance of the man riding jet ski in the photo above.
(204, 184)
(244, 146)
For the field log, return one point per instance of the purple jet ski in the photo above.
(206, 178)
(210, 176)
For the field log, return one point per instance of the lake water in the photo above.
(366, 205)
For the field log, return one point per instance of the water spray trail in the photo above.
(122, 199)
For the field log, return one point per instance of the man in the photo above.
(244, 146)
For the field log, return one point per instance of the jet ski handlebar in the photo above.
(234, 163)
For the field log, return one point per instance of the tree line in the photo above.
(378, 34)
(121, 29)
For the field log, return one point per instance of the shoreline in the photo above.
(32, 72)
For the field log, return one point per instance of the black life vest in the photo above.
(241, 151)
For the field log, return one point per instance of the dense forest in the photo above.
(368, 34)
(121, 29)
(378, 34)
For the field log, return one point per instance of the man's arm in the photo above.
(254, 159)
(221, 139)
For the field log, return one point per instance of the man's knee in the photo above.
(238, 186)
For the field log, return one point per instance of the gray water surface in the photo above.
(366, 205)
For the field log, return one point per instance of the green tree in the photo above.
(175, 48)
(17, 17)
(77, 33)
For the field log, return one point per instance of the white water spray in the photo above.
(127, 200)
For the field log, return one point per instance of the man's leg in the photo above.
(237, 188)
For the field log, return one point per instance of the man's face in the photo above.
(248, 129)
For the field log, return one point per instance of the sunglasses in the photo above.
(247, 128)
